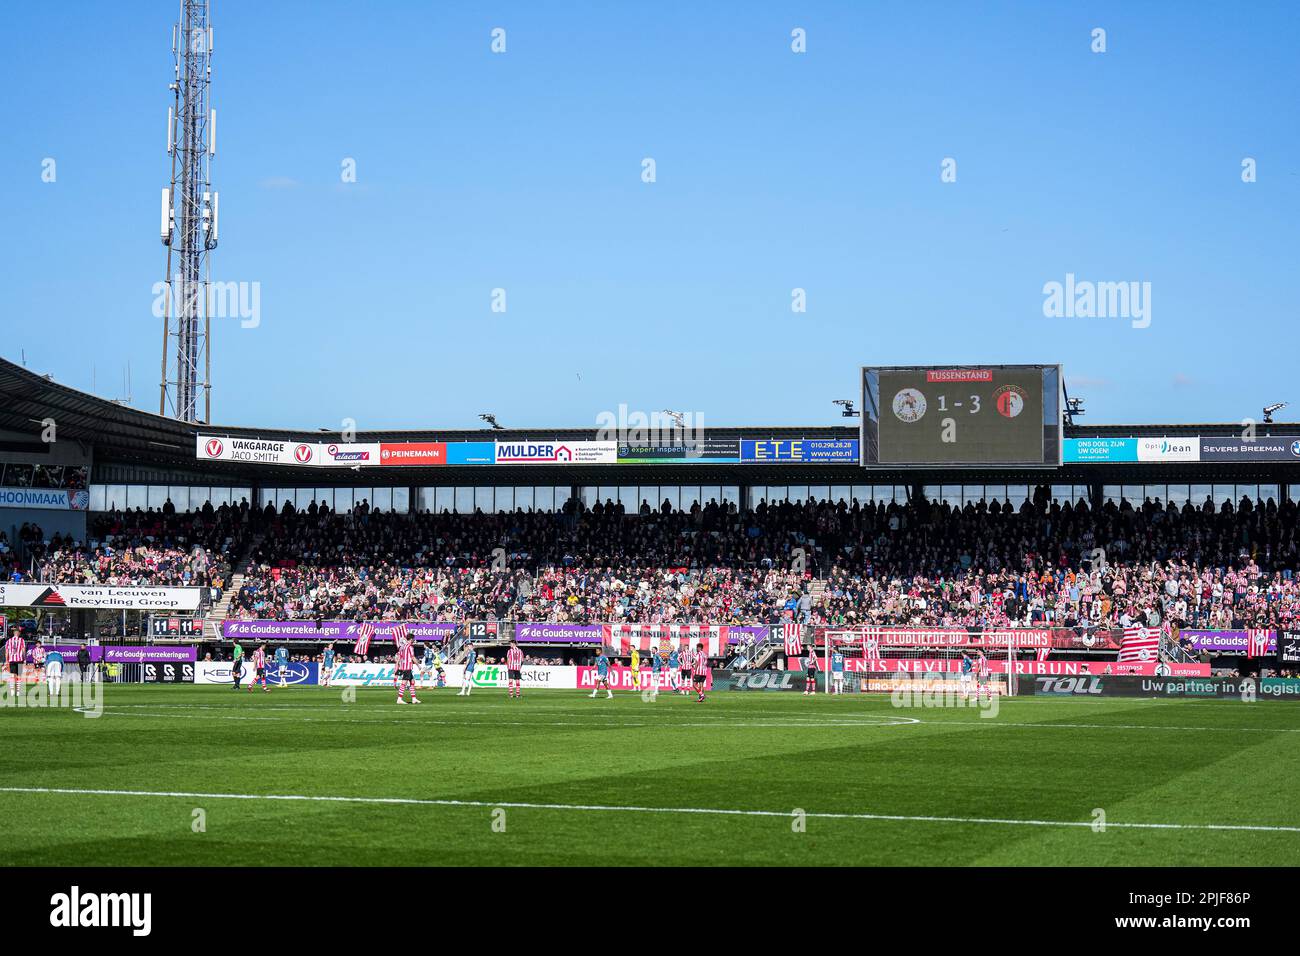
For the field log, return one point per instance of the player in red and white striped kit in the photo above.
(982, 676)
(405, 676)
(15, 652)
(259, 669)
(700, 671)
(514, 671)
(687, 660)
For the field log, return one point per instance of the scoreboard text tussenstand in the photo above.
(961, 416)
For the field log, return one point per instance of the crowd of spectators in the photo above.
(139, 548)
(923, 564)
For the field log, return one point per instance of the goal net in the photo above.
(887, 659)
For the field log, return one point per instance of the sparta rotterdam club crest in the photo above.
(909, 405)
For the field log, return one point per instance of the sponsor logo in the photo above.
(1067, 686)
(909, 405)
(413, 453)
(302, 454)
(339, 454)
(214, 448)
(1295, 448)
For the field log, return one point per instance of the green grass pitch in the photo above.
(184, 773)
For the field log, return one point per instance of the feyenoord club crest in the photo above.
(909, 405)
(1010, 400)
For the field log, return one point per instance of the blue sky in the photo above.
(775, 171)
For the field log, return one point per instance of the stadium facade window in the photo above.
(137, 496)
(932, 492)
(524, 498)
(1269, 492)
(1199, 494)
(1178, 494)
(1223, 494)
(505, 499)
(630, 498)
(549, 497)
(690, 496)
(444, 500)
(881, 494)
(730, 495)
(402, 500)
(1134, 494)
(463, 500)
(796, 493)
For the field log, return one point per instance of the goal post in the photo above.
(880, 659)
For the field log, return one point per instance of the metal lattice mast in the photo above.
(189, 219)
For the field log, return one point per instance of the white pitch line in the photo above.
(883, 720)
(603, 808)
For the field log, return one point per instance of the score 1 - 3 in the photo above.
(943, 403)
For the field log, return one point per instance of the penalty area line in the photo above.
(699, 811)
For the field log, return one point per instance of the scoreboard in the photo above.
(961, 416)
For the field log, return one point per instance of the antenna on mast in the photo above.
(188, 225)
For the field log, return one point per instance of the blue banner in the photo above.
(842, 451)
(1099, 450)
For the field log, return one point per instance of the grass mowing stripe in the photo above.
(600, 808)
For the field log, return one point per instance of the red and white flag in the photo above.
(399, 633)
(792, 634)
(1257, 642)
(364, 633)
(1140, 644)
(870, 646)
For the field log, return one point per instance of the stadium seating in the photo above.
(920, 564)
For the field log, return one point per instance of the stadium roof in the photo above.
(120, 434)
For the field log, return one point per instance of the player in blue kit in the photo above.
(602, 675)
(672, 669)
(966, 674)
(837, 671)
(281, 663)
(656, 665)
(327, 666)
(471, 661)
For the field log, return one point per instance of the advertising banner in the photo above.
(1280, 688)
(413, 453)
(255, 450)
(45, 499)
(167, 673)
(1224, 688)
(1247, 643)
(952, 637)
(1169, 449)
(557, 453)
(342, 455)
(78, 596)
(332, 630)
(1120, 450)
(471, 453)
(1077, 450)
(706, 450)
(758, 680)
(623, 678)
(1046, 668)
(799, 451)
(1263, 448)
(559, 633)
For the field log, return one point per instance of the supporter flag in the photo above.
(363, 639)
(399, 633)
(870, 646)
(1043, 653)
(1140, 644)
(792, 634)
(1257, 642)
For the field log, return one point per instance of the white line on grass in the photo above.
(603, 808)
(864, 721)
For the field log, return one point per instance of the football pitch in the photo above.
(193, 775)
